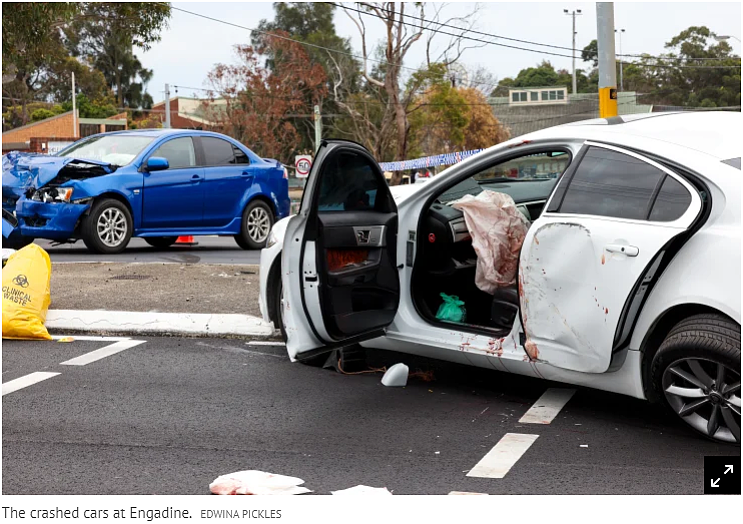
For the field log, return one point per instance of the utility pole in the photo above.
(607, 60)
(621, 61)
(573, 14)
(74, 109)
(318, 128)
(167, 106)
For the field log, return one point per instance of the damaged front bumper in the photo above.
(51, 220)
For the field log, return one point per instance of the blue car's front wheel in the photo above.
(108, 227)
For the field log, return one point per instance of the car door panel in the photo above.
(577, 273)
(174, 198)
(344, 240)
(225, 181)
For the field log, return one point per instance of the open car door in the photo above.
(339, 262)
(590, 260)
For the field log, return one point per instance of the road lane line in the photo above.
(90, 339)
(465, 493)
(503, 456)
(264, 343)
(103, 352)
(26, 380)
(548, 406)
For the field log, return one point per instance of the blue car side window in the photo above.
(179, 152)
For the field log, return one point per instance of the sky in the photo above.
(191, 46)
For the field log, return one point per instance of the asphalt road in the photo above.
(209, 250)
(170, 415)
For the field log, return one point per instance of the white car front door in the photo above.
(591, 258)
(339, 265)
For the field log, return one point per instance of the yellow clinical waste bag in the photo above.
(26, 298)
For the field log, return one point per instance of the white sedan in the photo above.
(627, 278)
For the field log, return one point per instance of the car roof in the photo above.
(715, 133)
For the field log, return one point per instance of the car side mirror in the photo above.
(157, 163)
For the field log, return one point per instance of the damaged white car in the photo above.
(625, 277)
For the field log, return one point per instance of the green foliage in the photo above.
(102, 108)
(41, 114)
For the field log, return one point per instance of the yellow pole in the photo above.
(607, 60)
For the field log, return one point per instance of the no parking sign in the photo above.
(303, 164)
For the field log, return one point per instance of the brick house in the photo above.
(187, 112)
(56, 132)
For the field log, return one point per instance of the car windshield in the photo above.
(118, 150)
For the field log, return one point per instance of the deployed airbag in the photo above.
(498, 230)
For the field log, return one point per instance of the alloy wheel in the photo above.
(706, 395)
(259, 224)
(112, 227)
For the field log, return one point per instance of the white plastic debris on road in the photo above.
(498, 229)
(362, 490)
(396, 376)
(253, 482)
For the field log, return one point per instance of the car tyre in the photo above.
(696, 372)
(256, 223)
(278, 310)
(108, 227)
(160, 242)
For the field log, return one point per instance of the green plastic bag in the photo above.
(452, 310)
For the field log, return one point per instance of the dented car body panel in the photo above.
(36, 189)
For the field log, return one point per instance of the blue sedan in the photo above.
(157, 184)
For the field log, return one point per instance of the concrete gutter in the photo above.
(149, 323)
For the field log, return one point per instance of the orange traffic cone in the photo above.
(186, 241)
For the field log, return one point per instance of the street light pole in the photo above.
(621, 60)
(574, 13)
(727, 37)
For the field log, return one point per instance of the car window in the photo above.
(240, 156)
(612, 184)
(672, 201)
(217, 152)
(118, 150)
(179, 152)
(348, 183)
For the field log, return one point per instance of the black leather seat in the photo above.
(505, 307)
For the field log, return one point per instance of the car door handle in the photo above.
(196, 178)
(247, 173)
(624, 249)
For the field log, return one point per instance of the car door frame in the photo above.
(653, 270)
(312, 336)
(145, 227)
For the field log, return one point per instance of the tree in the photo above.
(313, 24)
(104, 35)
(35, 34)
(590, 53)
(401, 34)
(259, 101)
(448, 119)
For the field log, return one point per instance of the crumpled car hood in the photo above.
(24, 170)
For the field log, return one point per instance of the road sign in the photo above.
(303, 164)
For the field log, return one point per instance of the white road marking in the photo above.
(465, 493)
(103, 352)
(503, 456)
(90, 339)
(548, 406)
(265, 343)
(26, 380)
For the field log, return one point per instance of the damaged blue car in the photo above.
(157, 184)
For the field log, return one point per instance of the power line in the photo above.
(438, 31)
(491, 35)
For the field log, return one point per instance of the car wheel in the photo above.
(160, 242)
(256, 223)
(697, 373)
(278, 310)
(108, 227)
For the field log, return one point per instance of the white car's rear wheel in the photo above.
(697, 372)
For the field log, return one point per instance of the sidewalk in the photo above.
(133, 298)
